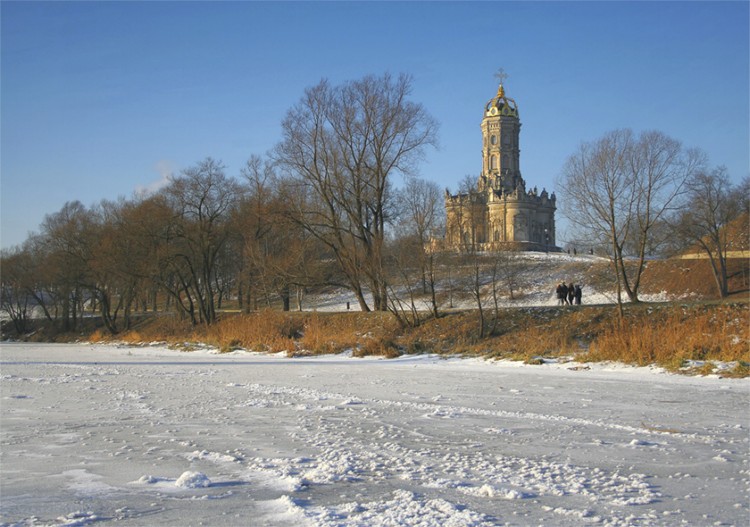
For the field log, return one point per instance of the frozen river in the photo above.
(105, 435)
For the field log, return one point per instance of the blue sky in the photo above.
(100, 99)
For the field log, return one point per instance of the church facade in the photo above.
(500, 213)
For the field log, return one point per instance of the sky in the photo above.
(99, 100)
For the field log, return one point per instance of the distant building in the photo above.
(500, 214)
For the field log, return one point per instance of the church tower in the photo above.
(500, 151)
(501, 214)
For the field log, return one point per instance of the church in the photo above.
(500, 214)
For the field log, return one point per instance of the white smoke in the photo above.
(165, 170)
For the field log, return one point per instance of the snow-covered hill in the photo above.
(535, 277)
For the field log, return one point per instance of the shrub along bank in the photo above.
(668, 335)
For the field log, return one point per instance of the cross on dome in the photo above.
(501, 75)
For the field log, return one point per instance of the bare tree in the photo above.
(66, 235)
(202, 200)
(742, 194)
(343, 145)
(422, 218)
(623, 186)
(147, 233)
(125, 259)
(40, 275)
(467, 213)
(509, 269)
(713, 202)
(474, 260)
(405, 263)
(277, 252)
(109, 278)
(15, 297)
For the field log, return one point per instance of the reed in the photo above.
(670, 338)
(667, 335)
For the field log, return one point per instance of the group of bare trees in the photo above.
(316, 211)
(341, 149)
(338, 202)
(635, 195)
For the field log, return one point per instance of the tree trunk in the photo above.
(361, 300)
(285, 298)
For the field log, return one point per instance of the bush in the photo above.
(163, 327)
(383, 347)
(335, 333)
(269, 331)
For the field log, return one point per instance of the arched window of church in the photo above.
(497, 236)
(506, 161)
(493, 163)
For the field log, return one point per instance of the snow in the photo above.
(193, 480)
(536, 279)
(100, 435)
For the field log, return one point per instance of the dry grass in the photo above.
(740, 370)
(275, 331)
(518, 334)
(364, 333)
(664, 334)
(270, 331)
(167, 328)
(669, 337)
(659, 429)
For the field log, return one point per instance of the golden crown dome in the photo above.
(501, 105)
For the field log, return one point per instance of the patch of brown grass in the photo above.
(662, 334)
(99, 335)
(671, 337)
(379, 346)
(269, 331)
(543, 332)
(666, 335)
(334, 333)
(660, 429)
(168, 328)
(516, 333)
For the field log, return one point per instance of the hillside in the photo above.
(533, 277)
(738, 239)
(689, 274)
(692, 278)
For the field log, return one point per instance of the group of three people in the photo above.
(568, 294)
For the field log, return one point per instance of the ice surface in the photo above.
(100, 435)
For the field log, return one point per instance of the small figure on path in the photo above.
(577, 294)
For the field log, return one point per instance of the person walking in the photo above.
(571, 294)
(577, 294)
(561, 294)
